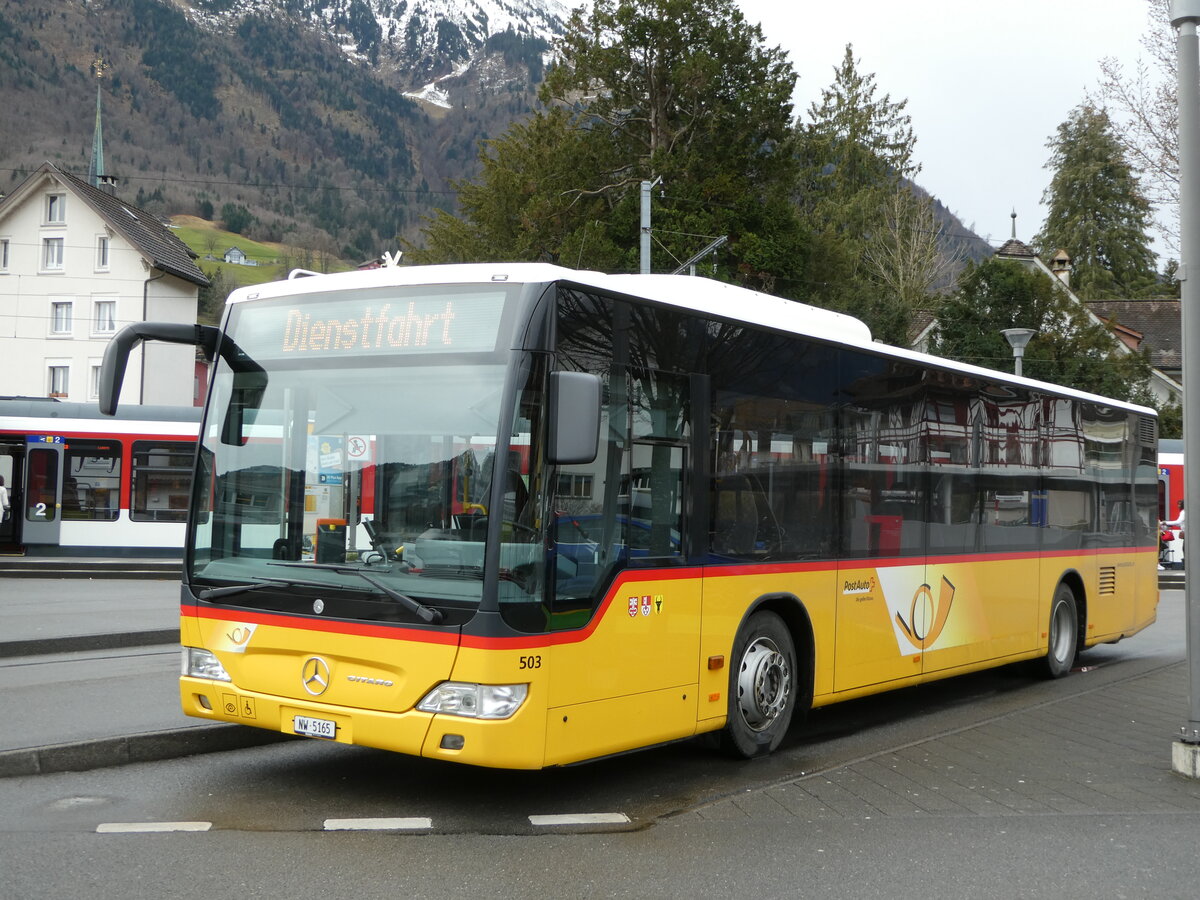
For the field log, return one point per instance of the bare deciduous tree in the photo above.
(1145, 109)
(907, 257)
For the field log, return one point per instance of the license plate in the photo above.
(318, 728)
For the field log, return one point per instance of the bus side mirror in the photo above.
(574, 417)
(116, 354)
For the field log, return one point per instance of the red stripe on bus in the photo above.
(360, 629)
(627, 576)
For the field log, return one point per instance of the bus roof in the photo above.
(714, 299)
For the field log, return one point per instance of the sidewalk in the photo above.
(89, 674)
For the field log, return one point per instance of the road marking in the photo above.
(149, 827)
(410, 824)
(581, 819)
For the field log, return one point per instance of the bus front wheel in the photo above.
(1063, 633)
(762, 687)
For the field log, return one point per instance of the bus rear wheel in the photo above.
(762, 687)
(1063, 633)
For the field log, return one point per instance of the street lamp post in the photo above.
(1017, 339)
(1185, 15)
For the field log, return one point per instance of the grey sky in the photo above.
(987, 84)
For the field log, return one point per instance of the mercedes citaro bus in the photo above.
(520, 516)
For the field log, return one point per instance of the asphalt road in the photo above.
(693, 824)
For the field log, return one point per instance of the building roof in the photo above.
(143, 230)
(1012, 247)
(1158, 321)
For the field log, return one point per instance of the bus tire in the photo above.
(762, 687)
(1063, 633)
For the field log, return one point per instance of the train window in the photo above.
(162, 478)
(92, 481)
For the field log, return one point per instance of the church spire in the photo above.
(96, 168)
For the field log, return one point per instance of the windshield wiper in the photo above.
(231, 589)
(425, 613)
(416, 607)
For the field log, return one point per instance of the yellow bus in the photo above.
(520, 516)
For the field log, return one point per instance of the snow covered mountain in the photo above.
(411, 43)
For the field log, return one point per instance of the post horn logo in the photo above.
(926, 618)
(315, 676)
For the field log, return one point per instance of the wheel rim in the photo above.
(1060, 632)
(764, 684)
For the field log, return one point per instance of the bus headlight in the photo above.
(199, 663)
(475, 701)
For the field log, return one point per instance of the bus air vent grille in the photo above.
(1148, 431)
(1108, 579)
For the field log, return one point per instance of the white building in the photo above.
(76, 265)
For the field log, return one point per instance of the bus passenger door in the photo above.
(883, 603)
(41, 507)
(626, 608)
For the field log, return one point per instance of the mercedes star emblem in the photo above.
(315, 675)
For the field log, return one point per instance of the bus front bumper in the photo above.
(514, 743)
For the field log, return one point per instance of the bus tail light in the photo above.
(475, 701)
(199, 663)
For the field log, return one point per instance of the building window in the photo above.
(56, 208)
(3, 254)
(575, 485)
(162, 481)
(60, 380)
(104, 320)
(61, 317)
(94, 382)
(52, 254)
(102, 253)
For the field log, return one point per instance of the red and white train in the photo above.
(1170, 494)
(82, 484)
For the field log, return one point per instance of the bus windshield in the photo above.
(346, 473)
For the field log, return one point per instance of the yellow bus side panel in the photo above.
(605, 727)
(869, 648)
(1111, 591)
(641, 650)
(989, 609)
(645, 638)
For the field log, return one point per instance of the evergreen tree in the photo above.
(1070, 348)
(857, 149)
(236, 218)
(211, 301)
(1097, 211)
(684, 90)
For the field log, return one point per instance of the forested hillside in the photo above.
(266, 113)
(292, 112)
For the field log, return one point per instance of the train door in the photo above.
(12, 469)
(41, 503)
